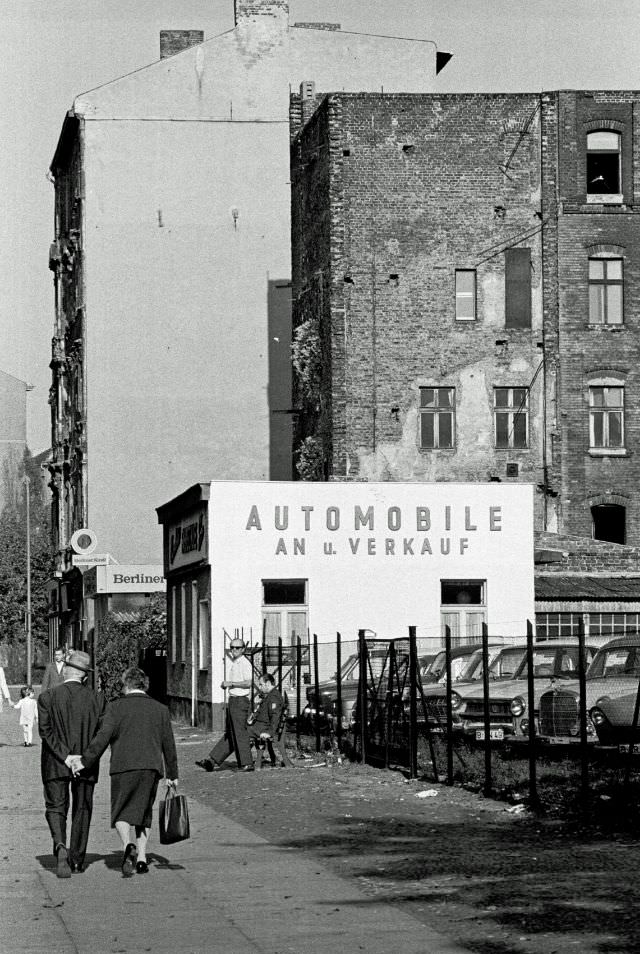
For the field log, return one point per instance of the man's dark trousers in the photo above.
(236, 737)
(56, 802)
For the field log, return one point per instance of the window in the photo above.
(465, 294)
(463, 609)
(605, 291)
(284, 612)
(517, 287)
(511, 416)
(196, 657)
(437, 417)
(613, 624)
(174, 621)
(204, 634)
(606, 417)
(604, 150)
(557, 625)
(183, 623)
(608, 522)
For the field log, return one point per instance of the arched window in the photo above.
(604, 169)
(606, 415)
(608, 521)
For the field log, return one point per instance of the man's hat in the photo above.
(78, 660)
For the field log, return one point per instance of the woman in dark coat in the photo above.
(142, 749)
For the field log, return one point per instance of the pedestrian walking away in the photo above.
(68, 718)
(4, 689)
(143, 749)
(28, 708)
(53, 673)
(236, 738)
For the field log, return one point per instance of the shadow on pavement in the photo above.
(531, 879)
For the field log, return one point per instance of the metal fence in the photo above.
(470, 710)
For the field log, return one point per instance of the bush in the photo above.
(123, 642)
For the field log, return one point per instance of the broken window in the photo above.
(465, 294)
(604, 168)
(606, 417)
(608, 522)
(437, 417)
(605, 291)
(511, 416)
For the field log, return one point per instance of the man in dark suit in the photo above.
(53, 673)
(68, 717)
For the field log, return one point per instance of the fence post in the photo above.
(488, 779)
(339, 690)
(413, 704)
(582, 714)
(316, 686)
(531, 702)
(362, 692)
(388, 696)
(279, 663)
(298, 688)
(447, 664)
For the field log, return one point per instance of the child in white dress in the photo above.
(28, 713)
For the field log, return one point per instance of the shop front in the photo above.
(281, 561)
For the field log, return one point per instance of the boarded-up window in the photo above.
(517, 266)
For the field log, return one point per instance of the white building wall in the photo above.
(176, 296)
(384, 587)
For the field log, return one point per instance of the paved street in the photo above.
(226, 890)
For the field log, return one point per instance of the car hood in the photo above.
(612, 686)
(498, 689)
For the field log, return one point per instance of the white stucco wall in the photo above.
(176, 296)
(373, 584)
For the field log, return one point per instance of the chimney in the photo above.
(243, 9)
(175, 41)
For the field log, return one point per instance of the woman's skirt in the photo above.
(132, 797)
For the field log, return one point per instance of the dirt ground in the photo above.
(495, 881)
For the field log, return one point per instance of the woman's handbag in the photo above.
(173, 817)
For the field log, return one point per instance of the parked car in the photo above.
(614, 672)
(551, 661)
(467, 701)
(613, 722)
(350, 672)
(466, 669)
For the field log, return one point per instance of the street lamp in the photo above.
(27, 493)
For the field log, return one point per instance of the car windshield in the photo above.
(622, 661)
(351, 668)
(560, 661)
(501, 664)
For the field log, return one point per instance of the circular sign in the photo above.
(84, 542)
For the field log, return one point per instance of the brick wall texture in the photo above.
(392, 194)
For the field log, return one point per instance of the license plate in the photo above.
(494, 734)
(625, 748)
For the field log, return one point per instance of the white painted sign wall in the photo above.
(373, 554)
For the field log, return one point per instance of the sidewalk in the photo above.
(225, 890)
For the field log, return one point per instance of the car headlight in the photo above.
(518, 705)
(597, 716)
(456, 701)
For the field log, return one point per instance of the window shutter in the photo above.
(517, 265)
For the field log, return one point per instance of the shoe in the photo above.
(207, 765)
(128, 860)
(76, 867)
(142, 867)
(63, 869)
(248, 768)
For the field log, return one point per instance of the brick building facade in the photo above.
(465, 273)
